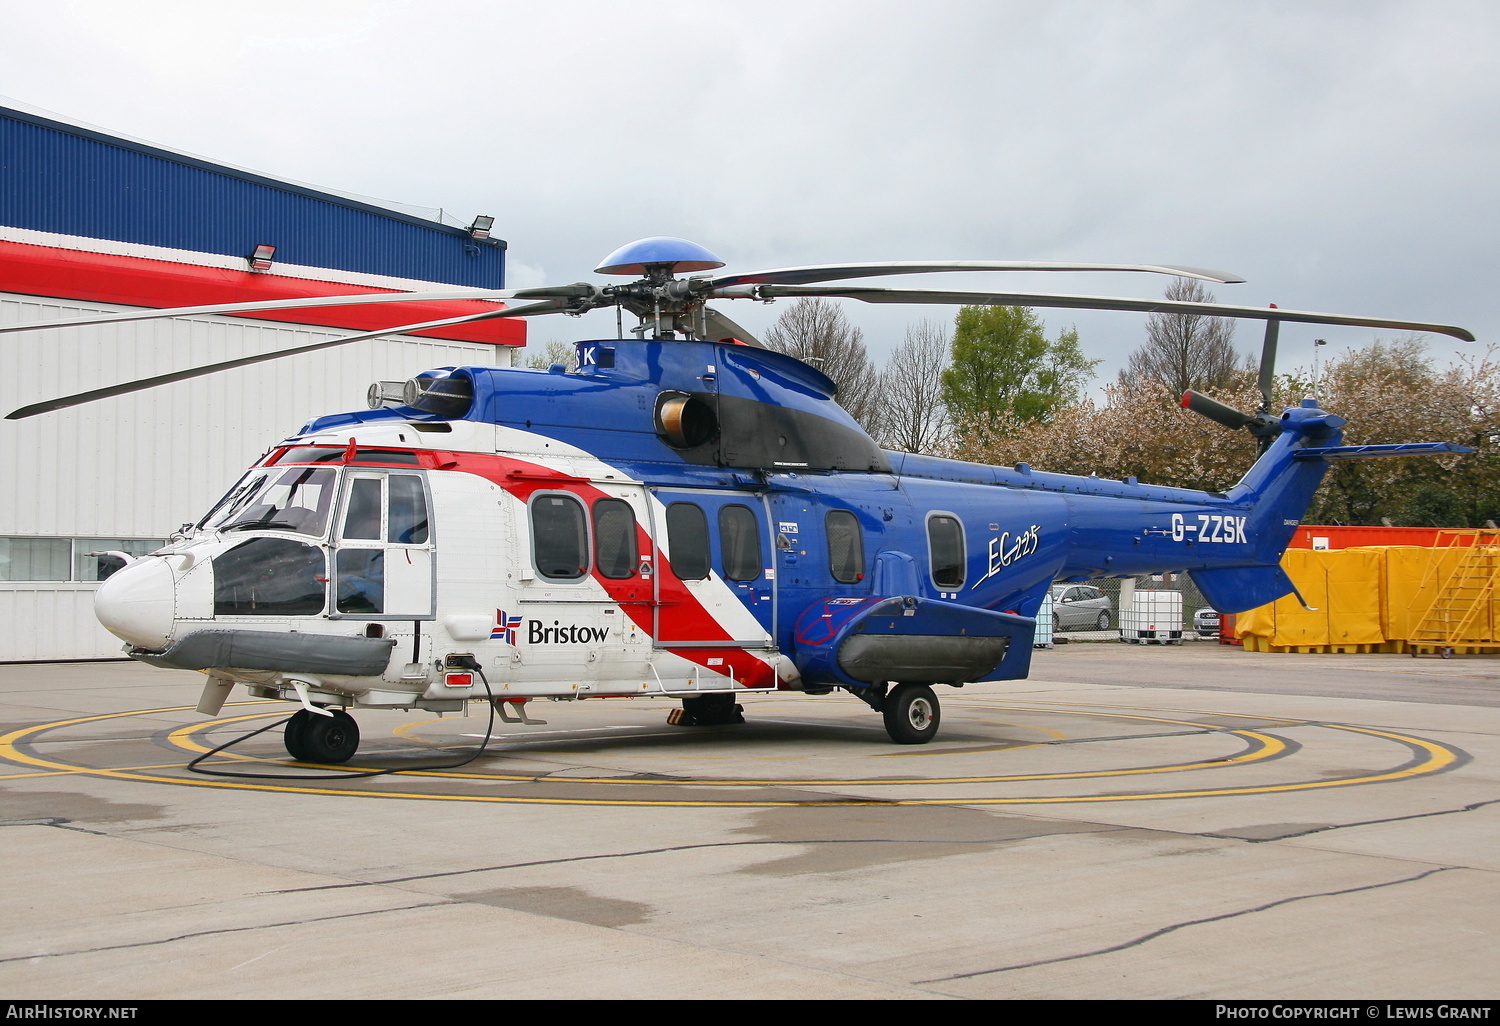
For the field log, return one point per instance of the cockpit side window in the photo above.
(362, 512)
(408, 513)
(269, 577)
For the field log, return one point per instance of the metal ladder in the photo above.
(1464, 598)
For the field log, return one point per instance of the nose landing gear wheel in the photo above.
(324, 739)
(911, 714)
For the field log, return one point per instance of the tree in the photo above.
(1388, 392)
(1391, 392)
(553, 352)
(911, 390)
(1004, 371)
(1184, 351)
(816, 332)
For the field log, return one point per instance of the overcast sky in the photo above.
(1341, 156)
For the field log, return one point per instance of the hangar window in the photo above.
(49, 559)
(559, 537)
(687, 541)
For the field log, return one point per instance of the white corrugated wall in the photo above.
(137, 466)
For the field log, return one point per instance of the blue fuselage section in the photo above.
(725, 424)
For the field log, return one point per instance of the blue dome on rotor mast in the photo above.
(678, 254)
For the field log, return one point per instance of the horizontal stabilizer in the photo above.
(1370, 452)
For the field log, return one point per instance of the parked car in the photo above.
(1206, 623)
(1080, 607)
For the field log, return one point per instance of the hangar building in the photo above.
(94, 223)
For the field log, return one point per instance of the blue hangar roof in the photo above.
(57, 177)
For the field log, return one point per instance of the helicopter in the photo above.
(682, 514)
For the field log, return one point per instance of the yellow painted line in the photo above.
(1439, 757)
(966, 750)
(1266, 746)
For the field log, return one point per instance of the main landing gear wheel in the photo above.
(707, 711)
(911, 714)
(325, 739)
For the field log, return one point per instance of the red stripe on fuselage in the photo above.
(688, 617)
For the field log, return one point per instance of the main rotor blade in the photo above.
(875, 295)
(836, 272)
(720, 326)
(575, 291)
(140, 384)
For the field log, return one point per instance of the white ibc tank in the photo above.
(1153, 617)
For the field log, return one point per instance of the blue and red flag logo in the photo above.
(505, 627)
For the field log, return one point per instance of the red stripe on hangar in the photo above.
(54, 273)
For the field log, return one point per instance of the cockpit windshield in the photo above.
(296, 499)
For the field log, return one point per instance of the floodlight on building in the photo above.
(480, 229)
(260, 260)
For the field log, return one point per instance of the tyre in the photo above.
(711, 710)
(328, 739)
(911, 714)
(291, 734)
(1103, 622)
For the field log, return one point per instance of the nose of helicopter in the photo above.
(136, 603)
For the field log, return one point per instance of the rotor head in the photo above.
(661, 255)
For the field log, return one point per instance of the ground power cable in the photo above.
(195, 767)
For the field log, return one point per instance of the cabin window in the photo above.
(846, 549)
(687, 541)
(559, 537)
(269, 577)
(739, 543)
(614, 538)
(945, 551)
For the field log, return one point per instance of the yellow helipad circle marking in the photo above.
(1262, 746)
(1431, 757)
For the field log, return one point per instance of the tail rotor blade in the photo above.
(1215, 410)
